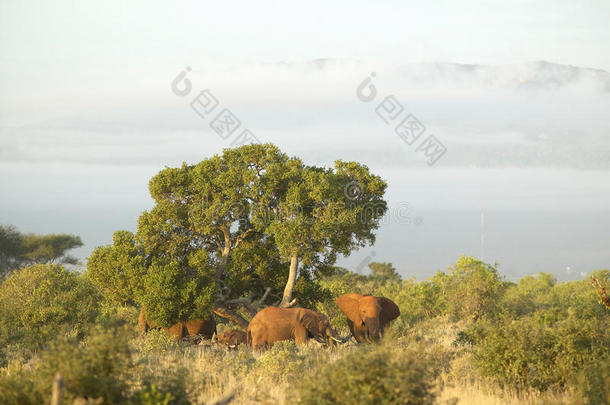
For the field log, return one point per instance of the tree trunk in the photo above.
(233, 316)
(226, 251)
(287, 300)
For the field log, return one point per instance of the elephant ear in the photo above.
(389, 310)
(310, 322)
(349, 305)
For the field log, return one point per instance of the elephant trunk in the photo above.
(333, 339)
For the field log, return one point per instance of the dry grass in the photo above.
(476, 394)
(271, 377)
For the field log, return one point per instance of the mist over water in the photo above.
(555, 221)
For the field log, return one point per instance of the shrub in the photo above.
(152, 396)
(113, 316)
(17, 385)
(593, 383)
(528, 295)
(166, 388)
(42, 301)
(100, 366)
(155, 341)
(527, 353)
(282, 360)
(472, 288)
(371, 375)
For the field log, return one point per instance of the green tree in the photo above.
(118, 269)
(202, 218)
(222, 232)
(17, 249)
(323, 213)
(11, 248)
(384, 271)
(50, 248)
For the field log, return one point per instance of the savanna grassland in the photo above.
(253, 228)
(537, 341)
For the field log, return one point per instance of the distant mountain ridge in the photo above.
(536, 75)
(532, 75)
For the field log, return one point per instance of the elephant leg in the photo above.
(176, 331)
(258, 343)
(357, 334)
(300, 336)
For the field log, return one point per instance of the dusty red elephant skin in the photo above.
(180, 330)
(367, 316)
(232, 337)
(274, 324)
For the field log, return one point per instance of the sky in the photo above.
(518, 93)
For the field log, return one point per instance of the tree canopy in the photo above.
(384, 271)
(17, 249)
(229, 233)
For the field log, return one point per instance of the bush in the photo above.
(282, 360)
(100, 366)
(155, 341)
(527, 353)
(17, 385)
(167, 388)
(376, 375)
(152, 396)
(593, 383)
(42, 301)
(472, 288)
(529, 295)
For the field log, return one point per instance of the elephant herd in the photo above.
(367, 318)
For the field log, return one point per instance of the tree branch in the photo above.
(233, 316)
(242, 237)
(249, 304)
(601, 291)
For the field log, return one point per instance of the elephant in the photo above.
(195, 327)
(231, 337)
(273, 324)
(367, 316)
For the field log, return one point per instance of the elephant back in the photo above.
(203, 327)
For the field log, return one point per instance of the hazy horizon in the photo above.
(88, 114)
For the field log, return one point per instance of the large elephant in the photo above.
(273, 324)
(231, 337)
(195, 327)
(367, 316)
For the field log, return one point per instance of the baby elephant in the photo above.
(299, 324)
(232, 338)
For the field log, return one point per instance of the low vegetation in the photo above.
(535, 341)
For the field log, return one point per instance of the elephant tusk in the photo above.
(342, 340)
